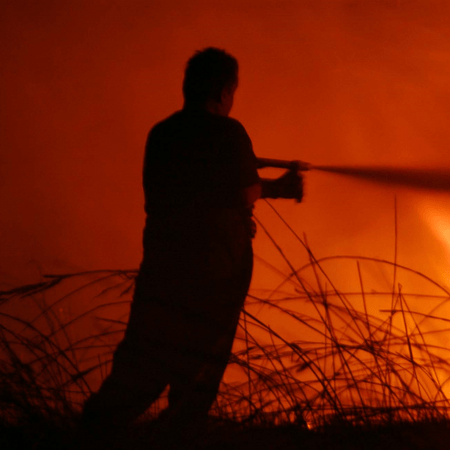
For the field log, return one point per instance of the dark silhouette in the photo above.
(200, 181)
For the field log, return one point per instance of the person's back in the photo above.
(196, 167)
(196, 159)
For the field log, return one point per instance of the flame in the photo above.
(438, 220)
(341, 84)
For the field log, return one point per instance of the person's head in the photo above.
(210, 80)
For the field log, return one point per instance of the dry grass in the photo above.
(307, 354)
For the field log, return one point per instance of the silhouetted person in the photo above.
(200, 183)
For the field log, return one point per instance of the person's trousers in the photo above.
(182, 338)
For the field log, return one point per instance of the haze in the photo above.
(328, 82)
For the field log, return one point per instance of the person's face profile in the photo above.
(227, 99)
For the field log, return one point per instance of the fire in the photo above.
(438, 220)
(356, 88)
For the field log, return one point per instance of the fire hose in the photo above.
(432, 179)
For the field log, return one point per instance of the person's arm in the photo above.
(251, 194)
(289, 185)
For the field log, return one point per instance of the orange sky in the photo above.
(329, 82)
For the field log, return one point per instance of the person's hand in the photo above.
(289, 185)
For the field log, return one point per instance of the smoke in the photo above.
(358, 87)
(340, 83)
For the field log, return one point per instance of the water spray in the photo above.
(432, 179)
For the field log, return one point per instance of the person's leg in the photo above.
(194, 385)
(138, 377)
(206, 348)
(193, 388)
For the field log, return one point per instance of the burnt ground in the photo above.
(409, 436)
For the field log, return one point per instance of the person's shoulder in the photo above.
(200, 120)
(229, 121)
(167, 121)
(232, 125)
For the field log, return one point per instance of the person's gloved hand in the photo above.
(289, 185)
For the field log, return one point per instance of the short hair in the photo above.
(207, 73)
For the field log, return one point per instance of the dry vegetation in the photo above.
(360, 369)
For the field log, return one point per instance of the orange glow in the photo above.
(334, 83)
